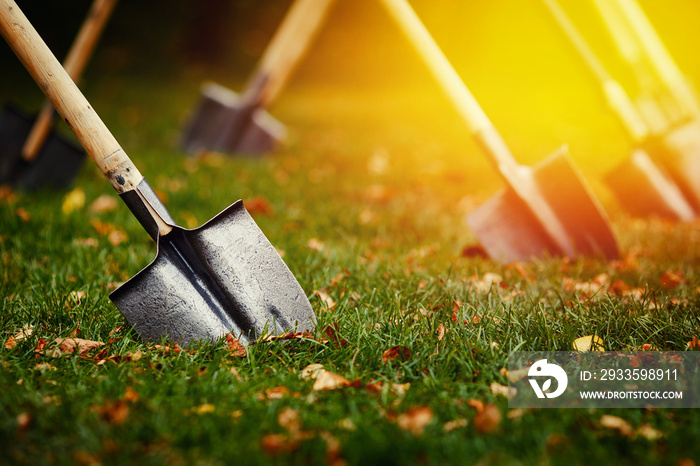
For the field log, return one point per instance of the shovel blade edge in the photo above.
(645, 189)
(221, 123)
(222, 277)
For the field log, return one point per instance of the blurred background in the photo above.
(362, 77)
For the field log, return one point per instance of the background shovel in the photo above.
(545, 209)
(222, 277)
(642, 186)
(226, 122)
(670, 103)
(32, 155)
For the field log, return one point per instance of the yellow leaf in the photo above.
(649, 433)
(74, 200)
(589, 343)
(311, 371)
(415, 419)
(617, 423)
(329, 381)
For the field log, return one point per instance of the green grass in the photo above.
(394, 236)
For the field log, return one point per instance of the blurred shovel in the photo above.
(547, 209)
(227, 122)
(222, 277)
(676, 144)
(642, 186)
(32, 155)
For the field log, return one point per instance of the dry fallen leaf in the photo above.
(311, 371)
(396, 352)
(258, 205)
(23, 214)
(74, 200)
(329, 381)
(517, 375)
(315, 244)
(68, 346)
(327, 300)
(289, 420)
(488, 419)
(117, 237)
(277, 444)
(672, 278)
(694, 343)
(589, 343)
(331, 331)
(44, 366)
(503, 390)
(26, 332)
(235, 347)
(440, 332)
(649, 433)
(617, 423)
(455, 424)
(114, 412)
(415, 419)
(104, 203)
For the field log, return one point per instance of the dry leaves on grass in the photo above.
(588, 343)
(326, 380)
(325, 299)
(488, 416)
(23, 214)
(617, 423)
(671, 279)
(331, 331)
(116, 412)
(74, 200)
(259, 205)
(67, 346)
(503, 390)
(235, 347)
(415, 419)
(104, 203)
(114, 235)
(396, 352)
(23, 334)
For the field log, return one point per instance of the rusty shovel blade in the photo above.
(56, 165)
(223, 123)
(553, 207)
(222, 277)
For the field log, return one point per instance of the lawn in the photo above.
(366, 203)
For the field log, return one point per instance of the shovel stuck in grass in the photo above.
(547, 209)
(222, 277)
(227, 122)
(643, 185)
(32, 154)
(668, 101)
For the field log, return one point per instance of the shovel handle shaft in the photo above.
(458, 93)
(78, 56)
(662, 62)
(285, 50)
(615, 95)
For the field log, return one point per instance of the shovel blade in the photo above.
(511, 225)
(221, 123)
(645, 189)
(679, 153)
(56, 165)
(222, 277)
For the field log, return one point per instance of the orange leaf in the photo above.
(104, 203)
(488, 419)
(23, 214)
(672, 278)
(235, 347)
(331, 331)
(400, 352)
(259, 205)
(693, 343)
(415, 419)
(114, 412)
(69, 345)
(277, 444)
(327, 300)
(329, 381)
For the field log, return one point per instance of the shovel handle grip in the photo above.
(285, 50)
(74, 64)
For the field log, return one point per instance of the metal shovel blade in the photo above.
(645, 189)
(678, 152)
(56, 165)
(222, 277)
(222, 123)
(511, 226)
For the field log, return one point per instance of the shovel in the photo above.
(226, 122)
(643, 187)
(547, 209)
(32, 155)
(222, 277)
(676, 145)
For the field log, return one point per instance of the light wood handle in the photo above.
(662, 62)
(285, 50)
(67, 99)
(74, 64)
(458, 93)
(615, 95)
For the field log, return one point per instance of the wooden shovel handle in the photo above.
(78, 56)
(458, 93)
(287, 47)
(666, 68)
(617, 98)
(67, 99)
